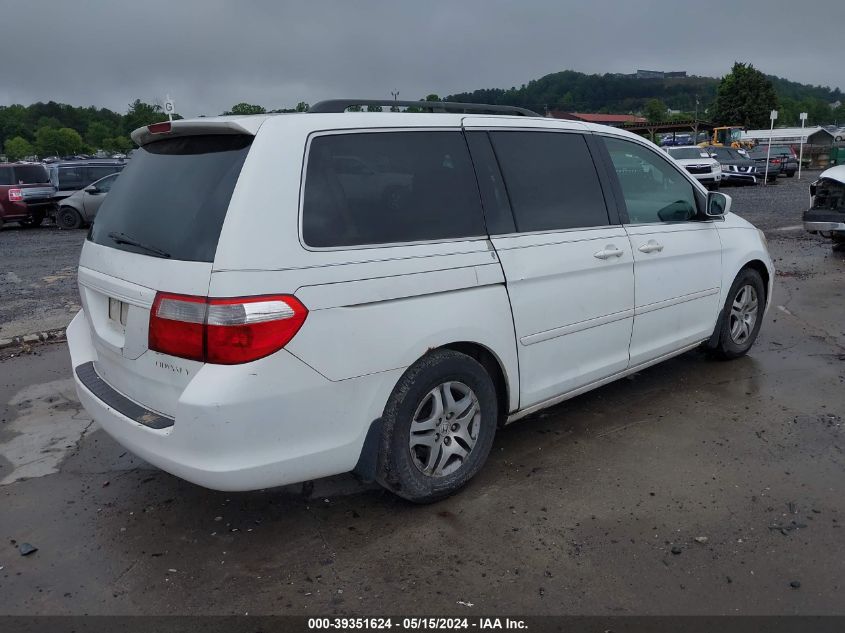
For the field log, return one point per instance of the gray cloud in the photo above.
(210, 54)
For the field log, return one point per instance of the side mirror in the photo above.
(91, 189)
(718, 204)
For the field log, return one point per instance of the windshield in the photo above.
(688, 152)
(172, 198)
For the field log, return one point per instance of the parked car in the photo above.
(737, 167)
(788, 158)
(80, 208)
(826, 214)
(70, 176)
(26, 195)
(759, 155)
(697, 161)
(242, 336)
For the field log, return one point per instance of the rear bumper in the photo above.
(244, 427)
(815, 227)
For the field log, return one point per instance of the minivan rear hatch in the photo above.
(157, 230)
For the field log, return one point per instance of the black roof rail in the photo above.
(341, 105)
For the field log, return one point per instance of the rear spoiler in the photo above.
(194, 127)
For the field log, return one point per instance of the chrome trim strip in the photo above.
(580, 326)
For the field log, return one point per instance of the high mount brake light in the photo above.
(160, 128)
(15, 195)
(223, 331)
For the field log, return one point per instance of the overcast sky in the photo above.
(211, 54)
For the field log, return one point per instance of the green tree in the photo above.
(655, 111)
(117, 144)
(246, 108)
(302, 107)
(18, 148)
(61, 142)
(141, 114)
(97, 134)
(745, 97)
(432, 97)
(374, 108)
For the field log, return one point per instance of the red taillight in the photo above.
(15, 195)
(223, 331)
(775, 161)
(159, 128)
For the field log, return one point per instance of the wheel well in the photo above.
(493, 367)
(760, 267)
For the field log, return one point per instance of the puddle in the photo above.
(49, 424)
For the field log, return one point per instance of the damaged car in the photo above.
(826, 215)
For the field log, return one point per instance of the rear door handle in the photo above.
(651, 247)
(607, 252)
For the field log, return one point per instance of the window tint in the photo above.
(653, 189)
(30, 174)
(172, 198)
(104, 185)
(71, 178)
(6, 176)
(551, 180)
(384, 187)
(100, 171)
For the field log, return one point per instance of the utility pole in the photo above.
(773, 116)
(395, 94)
(803, 116)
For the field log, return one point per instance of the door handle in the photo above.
(651, 247)
(607, 252)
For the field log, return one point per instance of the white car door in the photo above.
(567, 263)
(677, 251)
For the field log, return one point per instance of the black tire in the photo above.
(790, 174)
(68, 218)
(34, 220)
(398, 468)
(728, 346)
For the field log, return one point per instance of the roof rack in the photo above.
(341, 105)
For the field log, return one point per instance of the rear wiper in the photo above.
(123, 238)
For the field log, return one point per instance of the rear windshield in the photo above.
(23, 175)
(171, 200)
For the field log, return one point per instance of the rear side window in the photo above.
(29, 175)
(171, 200)
(387, 187)
(6, 176)
(71, 178)
(551, 180)
(95, 172)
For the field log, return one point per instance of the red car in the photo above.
(26, 194)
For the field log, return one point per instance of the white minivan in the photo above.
(276, 298)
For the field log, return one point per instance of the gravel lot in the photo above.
(38, 282)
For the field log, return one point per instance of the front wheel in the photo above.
(742, 315)
(68, 218)
(437, 427)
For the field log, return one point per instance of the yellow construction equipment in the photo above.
(728, 136)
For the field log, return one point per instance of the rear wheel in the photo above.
(790, 174)
(742, 315)
(68, 218)
(438, 427)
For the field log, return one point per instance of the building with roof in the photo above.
(816, 135)
(603, 119)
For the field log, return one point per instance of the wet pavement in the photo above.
(695, 486)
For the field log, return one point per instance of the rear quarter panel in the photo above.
(372, 309)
